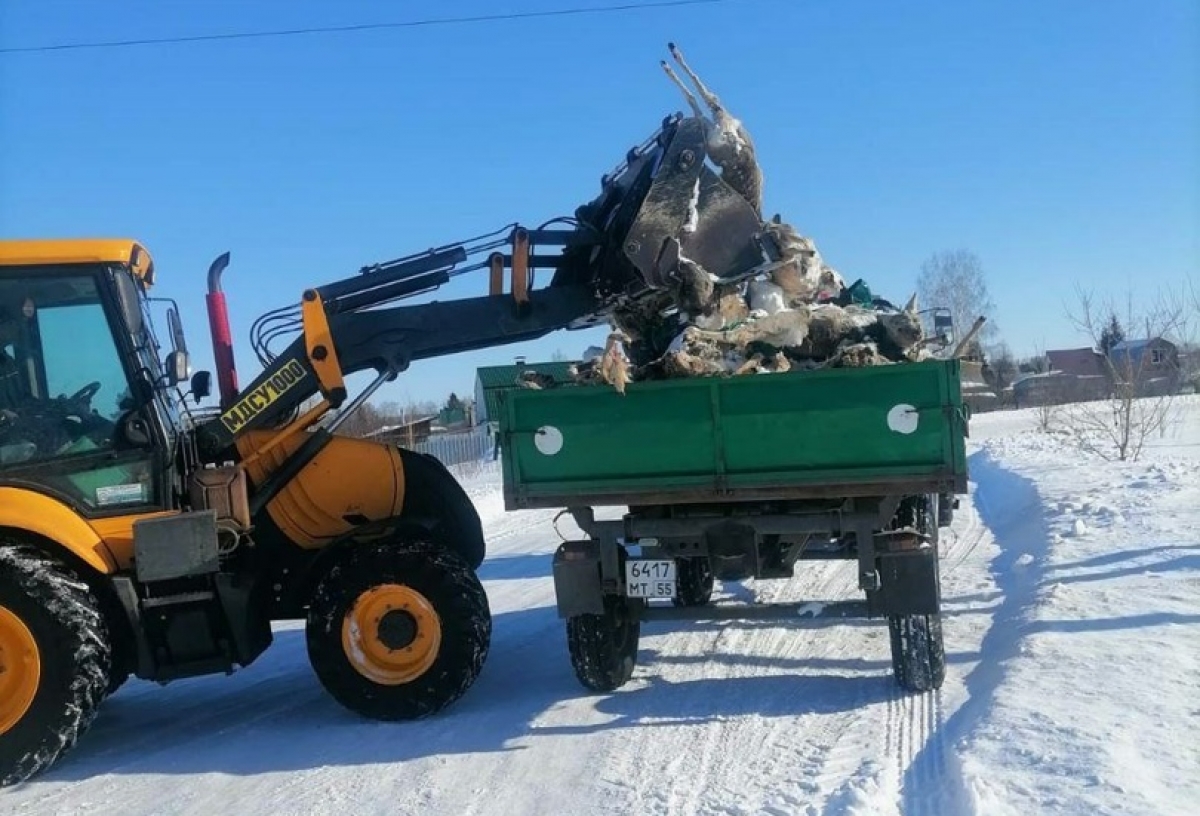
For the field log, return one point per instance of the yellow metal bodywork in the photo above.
(20, 669)
(26, 510)
(364, 646)
(304, 421)
(350, 479)
(317, 334)
(80, 250)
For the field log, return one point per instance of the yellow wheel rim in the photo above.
(392, 634)
(20, 669)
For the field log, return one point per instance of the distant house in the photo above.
(1078, 375)
(1056, 388)
(491, 381)
(1149, 361)
(407, 433)
(1082, 362)
(1074, 375)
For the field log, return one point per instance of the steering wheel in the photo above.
(86, 393)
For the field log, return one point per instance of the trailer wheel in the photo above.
(398, 630)
(695, 584)
(55, 658)
(918, 650)
(918, 653)
(604, 647)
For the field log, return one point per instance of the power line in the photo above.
(433, 21)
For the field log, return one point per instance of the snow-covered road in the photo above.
(1072, 622)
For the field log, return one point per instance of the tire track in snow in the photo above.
(1007, 508)
(964, 541)
(920, 754)
(909, 771)
(778, 734)
(137, 745)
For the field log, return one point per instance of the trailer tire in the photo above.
(918, 651)
(55, 659)
(695, 585)
(398, 629)
(604, 647)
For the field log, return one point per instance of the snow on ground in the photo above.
(1071, 594)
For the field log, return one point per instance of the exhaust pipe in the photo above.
(222, 337)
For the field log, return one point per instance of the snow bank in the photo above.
(1086, 701)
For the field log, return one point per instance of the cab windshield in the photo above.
(65, 390)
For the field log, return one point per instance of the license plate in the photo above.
(647, 578)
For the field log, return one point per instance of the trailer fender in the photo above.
(32, 512)
(578, 583)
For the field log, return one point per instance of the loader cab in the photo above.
(86, 410)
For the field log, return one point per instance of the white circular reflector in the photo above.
(903, 418)
(548, 440)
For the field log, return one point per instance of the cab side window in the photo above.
(63, 391)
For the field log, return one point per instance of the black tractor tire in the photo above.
(115, 681)
(456, 616)
(604, 647)
(45, 602)
(434, 498)
(918, 652)
(694, 585)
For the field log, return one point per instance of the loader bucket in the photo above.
(665, 189)
(714, 225)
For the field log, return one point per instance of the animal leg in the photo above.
(708, 96)
(691, 100)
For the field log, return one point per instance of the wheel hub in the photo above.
(392, 634)
(20, 669)
(397, 629)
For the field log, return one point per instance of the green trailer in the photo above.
(740, 477)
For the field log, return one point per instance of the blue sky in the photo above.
(1058, 140)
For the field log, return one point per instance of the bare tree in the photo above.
(1142, 376)
(366, 420)
(1037, 364)
(955, 280)
(1191, 360)
(1000, 369)
(1046, 414)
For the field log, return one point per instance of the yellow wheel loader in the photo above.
(142, 537)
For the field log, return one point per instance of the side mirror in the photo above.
(201, 385)
(175, 325)
(178, 367)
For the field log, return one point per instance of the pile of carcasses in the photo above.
(800, 315)
(797, 313)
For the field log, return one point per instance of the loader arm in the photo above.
(387, 341)
(612, 254)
